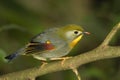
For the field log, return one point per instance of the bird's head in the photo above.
(72, 34)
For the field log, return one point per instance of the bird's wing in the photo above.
(37, 47)
(41, 43)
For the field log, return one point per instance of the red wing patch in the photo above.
(48, 46)
(35, 47)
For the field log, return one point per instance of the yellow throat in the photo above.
(75, 41)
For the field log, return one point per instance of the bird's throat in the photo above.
(75, 41)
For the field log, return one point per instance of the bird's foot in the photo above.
(61, 58)
(64, 59)
(43, 64)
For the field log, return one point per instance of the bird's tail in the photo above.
(14, 55)
(11, 57)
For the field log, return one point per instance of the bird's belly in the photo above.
(52, 54)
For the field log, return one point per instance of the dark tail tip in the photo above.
(11, 57)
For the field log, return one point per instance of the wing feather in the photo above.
(35, 47)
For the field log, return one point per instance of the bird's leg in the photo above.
(61, 58)
(76, 73)
(43, 64)
(64, 59)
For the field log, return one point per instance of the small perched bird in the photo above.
(52, 44)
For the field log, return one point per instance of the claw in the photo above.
(62, 58)
(43, 64)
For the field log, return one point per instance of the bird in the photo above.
(51, 44)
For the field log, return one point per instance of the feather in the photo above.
(14, 55)
(11, 57)
(35, 47)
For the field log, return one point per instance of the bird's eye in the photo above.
(76, 32)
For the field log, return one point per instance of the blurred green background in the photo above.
(20, 20)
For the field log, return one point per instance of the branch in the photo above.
(94, 55)
(111, 35)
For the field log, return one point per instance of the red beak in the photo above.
(88, 33)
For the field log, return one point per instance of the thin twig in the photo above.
(76, 73)
(111, 35)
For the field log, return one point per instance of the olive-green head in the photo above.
(72, 34)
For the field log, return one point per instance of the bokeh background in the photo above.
(20, 20)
